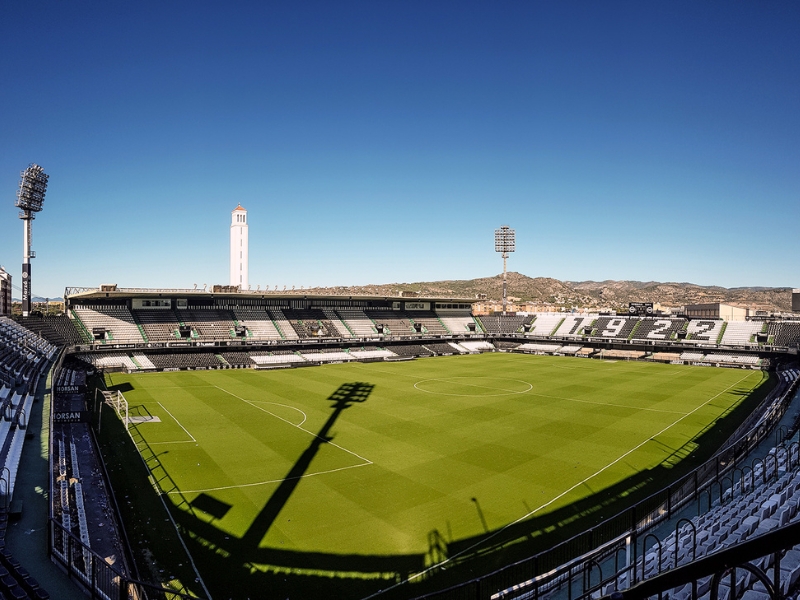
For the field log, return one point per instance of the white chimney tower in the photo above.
(239, 248)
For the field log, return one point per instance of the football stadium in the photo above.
(248, 444)
(359, 404)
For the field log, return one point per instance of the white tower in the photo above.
(239, 248)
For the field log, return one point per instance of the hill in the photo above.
(583, 293)
(39, 299)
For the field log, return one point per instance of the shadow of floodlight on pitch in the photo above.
(344, 397)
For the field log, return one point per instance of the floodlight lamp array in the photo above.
(32, 188)
(504, 239)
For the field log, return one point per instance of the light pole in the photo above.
(30, 198)
(504, 242)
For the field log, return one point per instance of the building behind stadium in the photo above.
(5, 292)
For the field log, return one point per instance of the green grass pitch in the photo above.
(369, 459)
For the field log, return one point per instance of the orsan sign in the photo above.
(71, 416)
(70, 389)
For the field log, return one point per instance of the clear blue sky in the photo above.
(379, 141)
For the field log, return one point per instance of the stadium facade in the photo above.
(716, 310)
(110, 318)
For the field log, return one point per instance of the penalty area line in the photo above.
(269, 481)
(193, 440)
(366, 461)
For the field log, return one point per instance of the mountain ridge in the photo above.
(608, 293)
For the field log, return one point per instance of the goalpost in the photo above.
(118, 402)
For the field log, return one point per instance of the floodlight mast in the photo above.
(30, 198)
(504, 242)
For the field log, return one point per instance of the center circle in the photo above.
(477, 387)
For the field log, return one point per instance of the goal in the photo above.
(118, 402)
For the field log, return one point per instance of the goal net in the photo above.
(118, 402)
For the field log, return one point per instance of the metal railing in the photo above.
(723, 564)
(96, 576)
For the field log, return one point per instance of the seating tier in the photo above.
(118, 322)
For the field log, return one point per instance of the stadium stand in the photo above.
(704, 331)
(539, 347)
(282, 324)
(237, 359)
(273, 320)
(208, 324)
(666, 356)
(658, 329)
(459, 325)
(573, 325)
(22, 352)
(368, 352)
(723, 359)
(733, 359)
(441, 348)
(763, 500)
(570, 349)
(614, 327)
(159, 325)
(396, 322)
(278, 357)
(329, 355)
(310, 323)
(430, 322)
(495, 324)
(411, 350)
(741, 333)
(784, 333)
(337, 323)
(477, 346)
(357, 321)
(183, 360)
(18, 407)
(258, 322)
(622, 354)
(25, 358)
(116, 321)
(60, 331)
(112, 360)
(545, 323)
(504, 345)
(458, 347)
(142, 361)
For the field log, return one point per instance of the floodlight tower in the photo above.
(30, 198)
(504, 242)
